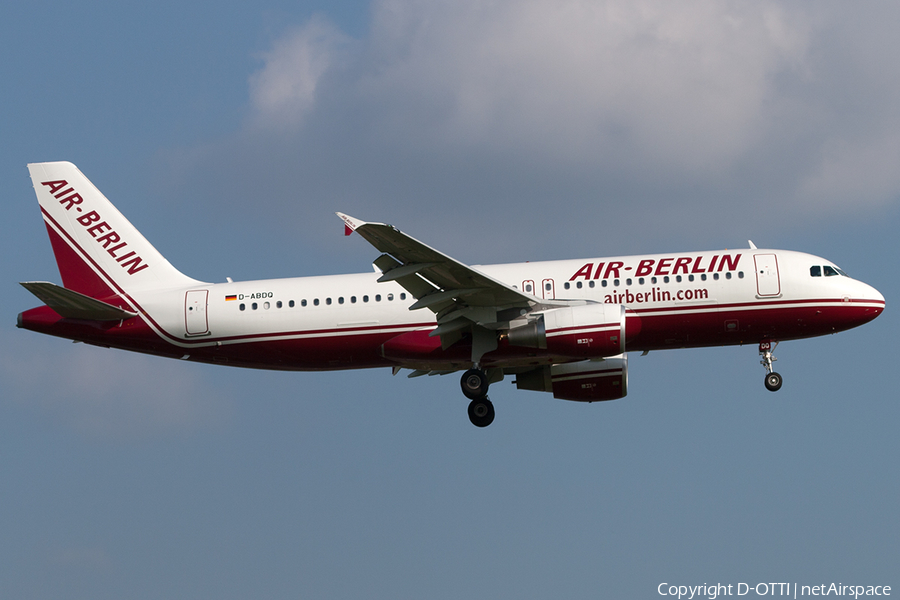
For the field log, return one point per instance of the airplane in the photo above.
(562, 327)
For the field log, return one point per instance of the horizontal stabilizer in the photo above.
(72, 305)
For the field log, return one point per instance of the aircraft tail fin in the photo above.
(100, 254)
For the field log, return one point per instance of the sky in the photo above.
(230, 133)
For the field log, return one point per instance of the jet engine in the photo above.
(584, 381)
(585, 331)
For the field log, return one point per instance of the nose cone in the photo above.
(870, 300)
(876, 295)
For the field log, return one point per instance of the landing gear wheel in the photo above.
(481, 412)
(773, 382)
(773, 379)
(474, 384)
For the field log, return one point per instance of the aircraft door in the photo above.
(768, 282)
(528, 287)
(195, 319)
(549, 289)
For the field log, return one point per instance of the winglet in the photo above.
(350, 224)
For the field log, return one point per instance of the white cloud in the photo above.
(285, 89)
(683, 85)
(677, 120)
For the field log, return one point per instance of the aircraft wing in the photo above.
(463, 298)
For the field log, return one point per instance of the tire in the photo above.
(481, 412)
(773, 382)
(474, 384)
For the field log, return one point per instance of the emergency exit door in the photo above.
(548, 288)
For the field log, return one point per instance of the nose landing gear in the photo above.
(773, 379)
(474, 384)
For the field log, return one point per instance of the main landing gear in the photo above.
(474, 384)
(773, 379)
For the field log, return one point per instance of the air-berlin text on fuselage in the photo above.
(95, 225)
(659, 267)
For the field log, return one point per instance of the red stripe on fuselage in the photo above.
(360, 347)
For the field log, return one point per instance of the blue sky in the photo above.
(502, 131)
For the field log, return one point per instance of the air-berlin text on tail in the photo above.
(659, 267)
(95, 225)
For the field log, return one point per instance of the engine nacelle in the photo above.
(584, 381)
(589, 330)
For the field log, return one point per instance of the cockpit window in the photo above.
(830, 271)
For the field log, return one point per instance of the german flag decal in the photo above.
(230, 298)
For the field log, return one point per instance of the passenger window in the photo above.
(830, 271)
(316, 302)
(815, 271)
(390, 297)
(243, 306)
(279, 304)
(365, 298)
